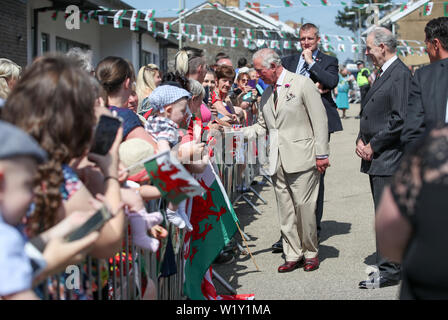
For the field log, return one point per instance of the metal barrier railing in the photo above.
(129, 274)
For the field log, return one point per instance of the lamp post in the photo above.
(358, 13)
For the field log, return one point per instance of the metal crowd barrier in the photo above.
(124, 276)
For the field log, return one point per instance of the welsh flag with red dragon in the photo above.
(214, 224)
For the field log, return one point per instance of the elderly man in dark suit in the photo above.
(428, 99)
(381, 123)
(323, 70)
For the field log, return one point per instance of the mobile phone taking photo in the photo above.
(105, 133)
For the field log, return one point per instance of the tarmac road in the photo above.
(347, 240)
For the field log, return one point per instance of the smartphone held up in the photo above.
(105, 134)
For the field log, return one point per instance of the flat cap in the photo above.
(16, 143)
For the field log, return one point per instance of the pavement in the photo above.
(347, 246)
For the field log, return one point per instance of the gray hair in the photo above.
(385, 36)
(267, 56)
(82, 57)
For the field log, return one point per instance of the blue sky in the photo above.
(324, 17)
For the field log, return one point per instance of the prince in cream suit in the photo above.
(294, 117)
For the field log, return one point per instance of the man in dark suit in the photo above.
(428, 99)
(323, 70)
(381, 123)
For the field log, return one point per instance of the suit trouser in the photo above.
(387, 269)
(363, 90)
(320, 200)
(296, 195)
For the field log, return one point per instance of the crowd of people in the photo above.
(52, 180)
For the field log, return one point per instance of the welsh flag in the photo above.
(249, 5)
(250, 33)
(216, 31)
(355, 48)
(352, 40)
(221, 42)
(234, 32)
(266, 33)
(85, 18)
(150, 14)
(174, 182)
(200, 30)
(341, 47)
(102, 20)
(118, 19)
(151, 25)
(340, 38)
(184, 28)
(324, 2)
(287, 45)
(234, 42)
(166, 28)
(304, 3)
(287, 3)
(344, 3)
(54, 15)
(281, 34)
(403, 7)
(427, 8)
(214, 224)
(326, 38)
(135, 19)
(247, 42)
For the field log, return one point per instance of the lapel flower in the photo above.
(287, 85)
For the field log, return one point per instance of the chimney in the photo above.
(227, 3)
(275, 16)
(256, 6)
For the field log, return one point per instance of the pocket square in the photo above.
(290, 96)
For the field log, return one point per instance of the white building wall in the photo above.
(103, 40)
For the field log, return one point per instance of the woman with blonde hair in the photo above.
(148, 79)
(9, 74)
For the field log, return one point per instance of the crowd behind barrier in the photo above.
(135, 271)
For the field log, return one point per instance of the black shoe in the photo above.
(278, 246)
(224, 258)
(379, 282)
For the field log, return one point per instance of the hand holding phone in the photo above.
(105, 133)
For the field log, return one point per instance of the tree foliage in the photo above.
(350, 21)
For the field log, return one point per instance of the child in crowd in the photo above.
(19, 156)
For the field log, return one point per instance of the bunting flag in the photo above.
(352, 40)
(216, 5)
(174, 182)
(135, 20)
(233, 32)
(344, 3)
(92, 13)
(184, 28)
(287, 45)
(234, 42)
(249, 5)
(325, 38)
(260, 43)
(250, 34)
(341, 47)
(220, 42)
(355, 48)
(304, 3)
(166, 28)
(181, 11)
(281, 34)
(150, 14)
(247, 42)
(327, 47)
(340, 38)
(102, 20)
(54, 15)
(287, 3)
(118, 19)
(151, 25)
(200, 30)
(405, 43)
(298, 46)
(445, 9)
(403, 7)
(216, 31)
(85, 18)
(324, 2)
(214, 223)
(427, 8)
(266, 33)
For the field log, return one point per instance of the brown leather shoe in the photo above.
(289, 266)
(311, 264)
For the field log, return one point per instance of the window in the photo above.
(45, 43)
(147, 57)
(63, 45)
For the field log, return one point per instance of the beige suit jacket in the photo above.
(297, 128)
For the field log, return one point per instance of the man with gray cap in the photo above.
(378, 143)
